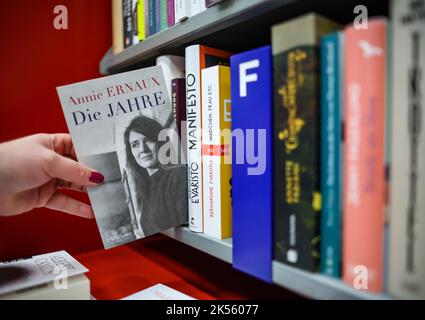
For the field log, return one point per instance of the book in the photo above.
(197, 6)
(159, 292)
(141, 23)
(252, 108)
(181, 10)
(157, 16)
(295, 47)
(117, 27)
(170, 13)
(122, 126)
(407, 177)
(172, 67)
(152, 17)
(127, 23)
(332, 110)
(163, 15)
(364, 155)
(178, 102)
(197, 57)
(134, 22)
(54, 276)
(216, 151)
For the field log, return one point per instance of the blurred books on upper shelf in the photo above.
(52, 276)
(135, 20)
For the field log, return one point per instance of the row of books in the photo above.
(135, 20)
(323, 123)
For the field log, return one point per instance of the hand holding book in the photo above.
(34, 168)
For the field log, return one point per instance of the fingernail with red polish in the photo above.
(96, 177)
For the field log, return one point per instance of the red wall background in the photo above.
(34, 59)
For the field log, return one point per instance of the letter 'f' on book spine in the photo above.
(252, 106)
(364, 156)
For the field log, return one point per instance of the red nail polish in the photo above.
(96, 177)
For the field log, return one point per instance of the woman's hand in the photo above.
(32, 169)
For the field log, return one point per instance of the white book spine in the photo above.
(196, 6)
(407, 188)
(194, 147)
(211, 163)
(181, 9)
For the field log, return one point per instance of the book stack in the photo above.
(53, 276)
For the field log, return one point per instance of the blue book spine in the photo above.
(157, 16)
(252, 167)
(331, 152)
(152, 20)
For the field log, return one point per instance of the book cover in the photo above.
(122, 125)
(364, 155)
(170, 13)
(331, 109)
(407, 184)
(252, 167)
(295, 46)
(197, 58)
(216, 151)
(178, 102)
(117, 27)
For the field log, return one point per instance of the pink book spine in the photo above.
(364, 156)
(170, 13)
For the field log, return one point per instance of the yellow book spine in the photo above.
(226, 142)
(141, 20)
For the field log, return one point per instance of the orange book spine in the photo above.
(364, 155)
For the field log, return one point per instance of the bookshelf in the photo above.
(236, 26)
(307, 284)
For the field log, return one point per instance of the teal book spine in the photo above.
(331, 66)
(163, 24)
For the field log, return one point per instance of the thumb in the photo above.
(70, 170)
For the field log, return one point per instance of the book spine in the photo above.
(157, 16)
(364, 156)
(170, 13)
(193, 118)
(407, 199)
(147, 21)
(252, 107)
(297, 140)
(331, 153)
(134, 21)
(128, 24)
(181, 10)
(195, 7)
(152, 23)
(117, 26)
(163, 14)
(141, 20)
(179, 102)
(216, 171)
